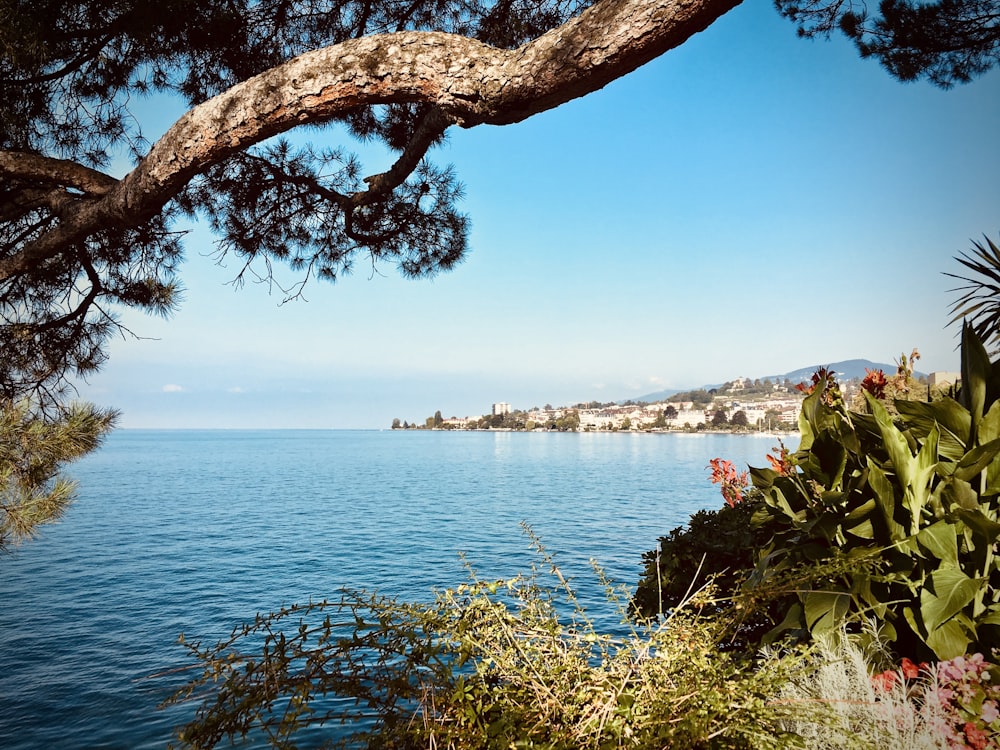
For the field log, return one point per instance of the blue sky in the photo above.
(747, 204)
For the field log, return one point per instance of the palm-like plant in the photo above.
(979, 301)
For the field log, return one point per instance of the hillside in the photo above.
(846, 370)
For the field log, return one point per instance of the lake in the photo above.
(197, 531)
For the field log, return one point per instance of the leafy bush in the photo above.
(921, 491)
(894, 517)
(715, 546)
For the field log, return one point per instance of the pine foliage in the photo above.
(33, 448)
(946, 42)
(73, 74)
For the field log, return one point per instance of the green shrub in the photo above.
(920, 492)
(891, 516)
(715, 546)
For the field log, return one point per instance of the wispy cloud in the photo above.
(236, 389)
(173, 388)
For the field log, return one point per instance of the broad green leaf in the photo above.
(976, 371)
(826, 526)
(813, 551)
(980, 524)
(910, 547)
(862, 530)
(941, 540)
(911, 618)
(780, 503)
(992, 479)
(949, 641)
(922, 479)
(973, 462)
(762, 478)
(950, 449)
(951, 417)
(989, 428)
(894, 441)
(885, 499)
(936, 504)
(958, 494)
(865, 425)
(861, 588)
(914, 472)
(862, 511)
(832, 500)
(825, 610)
(808, 416)
(858, 522)
(759, 518)
(945, 594)
(792, 621)
(831, 458)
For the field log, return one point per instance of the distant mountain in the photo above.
(846, 370)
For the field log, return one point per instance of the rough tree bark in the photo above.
(467, 82)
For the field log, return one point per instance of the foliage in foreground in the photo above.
(717, 546)
(33, 448)
(495, 664)
(921, 490)
(877, 513)
(518, 663)
(908, 506)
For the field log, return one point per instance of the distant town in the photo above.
(740, 405)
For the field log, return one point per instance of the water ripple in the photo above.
(195, 532)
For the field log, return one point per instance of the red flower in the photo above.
(875, 383)
(733, 483)
(910, 670)
(976, 737)
(827, 380)
(885, 680)
(781, 464)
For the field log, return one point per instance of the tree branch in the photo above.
(17, 202)
(430, 129)
(46, 170)
(469, 82)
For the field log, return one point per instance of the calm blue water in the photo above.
(195, 532)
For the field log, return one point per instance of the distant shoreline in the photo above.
(747, 433)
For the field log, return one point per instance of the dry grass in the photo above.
(843, 707)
